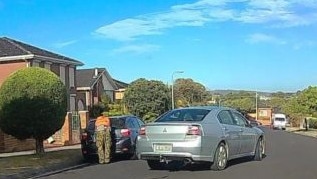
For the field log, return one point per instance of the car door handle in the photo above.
(225, 129)
(241, 130)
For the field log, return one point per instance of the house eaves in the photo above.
(14, 58)
(56, 60)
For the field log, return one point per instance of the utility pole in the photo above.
(256, 105)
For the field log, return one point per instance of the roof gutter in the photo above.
(19, 57)
(60, 60)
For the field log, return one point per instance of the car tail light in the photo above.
(84, 136)
(194, 130)
(142, 131)
(125, 132)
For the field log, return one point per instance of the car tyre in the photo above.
(220, 158)
(133, 155)
(259, 150)
(87, 158)
(155, 164)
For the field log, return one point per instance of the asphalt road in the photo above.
(289, 156)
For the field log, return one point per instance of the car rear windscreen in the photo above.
(118, 123)
(184, 115)
(279, 119)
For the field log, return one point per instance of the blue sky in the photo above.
(267, 45)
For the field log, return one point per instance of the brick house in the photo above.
(92, 84)
(15, 55)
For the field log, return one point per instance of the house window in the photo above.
(81, 106)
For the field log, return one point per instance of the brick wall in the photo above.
(6, 69)
(66, 137)
(11, 144)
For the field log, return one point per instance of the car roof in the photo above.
(200, 107)
(207, 108)
(113, 117)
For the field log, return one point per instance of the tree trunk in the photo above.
(39, 146)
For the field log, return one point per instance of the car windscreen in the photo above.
(184, 115)
(118, 123)
(279, 119)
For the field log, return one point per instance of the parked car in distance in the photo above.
(207, 135)
(254, 122)
(279, 121)
(251, 120)
(124, 131)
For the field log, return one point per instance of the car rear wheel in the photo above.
(133, 155)
(220, 158)
(259, 150)
(155, 164)
(87, 158)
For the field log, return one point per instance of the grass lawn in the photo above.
(28, 164)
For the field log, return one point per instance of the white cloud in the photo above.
(271, 13)
(136, 49)
(64, 44)
(264, 38)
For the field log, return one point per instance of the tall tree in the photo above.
(189, 92)
(33, 104)
(242, 100)
(147, 98)
(302, 105)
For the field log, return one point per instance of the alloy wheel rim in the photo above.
(222, 157)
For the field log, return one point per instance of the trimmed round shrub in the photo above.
(33, 104)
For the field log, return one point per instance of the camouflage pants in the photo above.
(103, 142)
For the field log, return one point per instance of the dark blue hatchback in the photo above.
(124, 132)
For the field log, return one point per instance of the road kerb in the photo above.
(59, 171)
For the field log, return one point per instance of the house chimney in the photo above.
(96, 71)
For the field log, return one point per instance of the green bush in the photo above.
(313, 123)
(33, 104)
(96, 110)
(150, 117)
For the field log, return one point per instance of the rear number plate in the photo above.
(162, 148)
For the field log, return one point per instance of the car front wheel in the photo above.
(220, 158)
(259, 150)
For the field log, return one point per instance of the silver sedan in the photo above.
(209, 135)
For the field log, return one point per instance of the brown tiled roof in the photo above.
(10, 47)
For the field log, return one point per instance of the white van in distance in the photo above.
(279, 121)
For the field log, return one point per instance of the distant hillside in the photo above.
(225, 92)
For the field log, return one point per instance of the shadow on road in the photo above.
(179, 166)
(115, 159)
